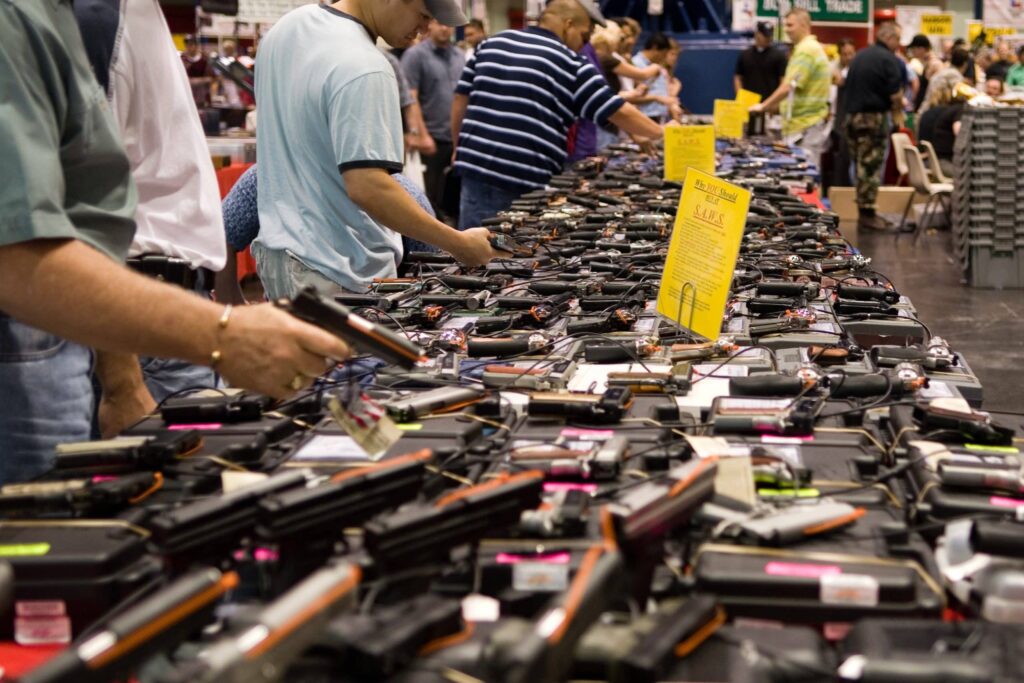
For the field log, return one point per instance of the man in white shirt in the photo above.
(179, 236)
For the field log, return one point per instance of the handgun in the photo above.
(679, 631)
(493, 284)
(157, 623)
(471, 302)
(348, 499)
(601, 462)
(126, 455)
(619, 320)
(797, 523)
(487, 347)
(859, 293)
(381, 643)
(376, 340)
(654, 508)
(232, 409)
(543, 650)
(211, 528)
(409, 408)
(795, 419)
(624, 352)
(975, 425)
(97, 497)
(428, 532)
(607, 408)
(281, 632)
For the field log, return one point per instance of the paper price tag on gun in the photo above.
(367, 423)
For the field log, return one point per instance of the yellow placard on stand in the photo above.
(748, 98)
(937, 24)
(974, 28)
(689, 147)
(729, 117)
(702, 254)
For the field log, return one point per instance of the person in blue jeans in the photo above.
(515, 102)
(67, 207)
(242, 226)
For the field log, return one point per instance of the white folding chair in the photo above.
(931, 160)
(939, 194)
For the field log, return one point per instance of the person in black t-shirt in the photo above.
(941, 124)
(761, 66)
(873, 92)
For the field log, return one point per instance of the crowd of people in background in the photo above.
(842, 112)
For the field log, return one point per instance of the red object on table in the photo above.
(17, 660)
(813, 198)
(226, 178)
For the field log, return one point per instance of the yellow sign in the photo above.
(747, 98)
(993, 32)
(688, 147)
(702, 254)
(974, 28)
(729, 117)
(937, 24)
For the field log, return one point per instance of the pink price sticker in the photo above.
(557, 486)
(800, 570)
(588, 434)
(201, 427)
(1000, 501)
(550, 558)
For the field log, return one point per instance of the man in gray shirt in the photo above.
(67, 203)
(433, 68)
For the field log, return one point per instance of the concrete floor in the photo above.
(986, 325)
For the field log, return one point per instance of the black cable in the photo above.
(775, 361)
(870, 407)
(380, 311)
(186, 390)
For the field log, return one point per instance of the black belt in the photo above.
(173, 271)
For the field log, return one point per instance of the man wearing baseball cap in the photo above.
(761, 66)
(329, 138)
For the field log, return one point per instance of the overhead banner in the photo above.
(1006, 14)
(821, 11)
(937, 24)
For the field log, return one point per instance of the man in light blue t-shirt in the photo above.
(329, 138)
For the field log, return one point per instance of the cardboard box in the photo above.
(891, 200)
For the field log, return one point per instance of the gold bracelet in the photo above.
(216, 356)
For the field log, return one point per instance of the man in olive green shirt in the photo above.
(804, 91)
(66, 220)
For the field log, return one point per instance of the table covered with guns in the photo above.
(575, 488)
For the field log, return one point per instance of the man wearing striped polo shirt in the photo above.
(516, 100)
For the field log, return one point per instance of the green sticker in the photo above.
(801, 493)
(410, 427)
(25, 550)
(991, 449)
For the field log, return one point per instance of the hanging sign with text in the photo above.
(841, 11)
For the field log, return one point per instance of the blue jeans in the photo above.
(481, 200)
(167, 376)
(283, 275)
(46, 398)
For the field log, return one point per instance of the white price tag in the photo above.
(542, 577)
(859, 590)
